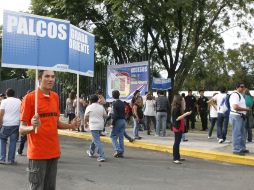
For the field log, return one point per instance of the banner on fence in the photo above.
(161, 84)
(127, 78)
(37, 42)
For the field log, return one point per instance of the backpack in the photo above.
(225, 105)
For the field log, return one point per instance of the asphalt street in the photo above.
(140, 169)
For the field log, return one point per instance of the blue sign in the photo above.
(81, 52)
(161, 84)
(37, 42)
(127, 78)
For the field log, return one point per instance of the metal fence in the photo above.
(21, 87)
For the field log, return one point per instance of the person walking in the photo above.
(190, 105)
(94, 118)
(178, 126)
(213, 114)
(237, 117)
(149, 112)
(70, 108)
(118, 125)
(162, 107)
(138, 117)
(223, 118)
(42, 132)
(249, 116)
(202, 106)
(9, 124)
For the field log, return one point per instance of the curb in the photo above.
(195, 153)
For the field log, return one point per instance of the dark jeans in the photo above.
(213, 122)
(190, 118)
(222, 126)
(71, 116)
(176, 146)
(42, 174)
(148, 121)
(203, 116)
(23, 140)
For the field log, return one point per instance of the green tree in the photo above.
(172, 33)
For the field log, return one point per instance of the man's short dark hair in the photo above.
(10, 92)
(189, 90)
(40, 73)
(223, 89)
(2, 95)
(115, 94)
(160, 92)
(99, 92)
(238, 84)
(201, 90)
(94, 98)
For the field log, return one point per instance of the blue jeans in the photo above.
(161, 119)
(96, 143)
(136, 128)
(117, 135)
(222, 126)
(238, 133)
(12, 133)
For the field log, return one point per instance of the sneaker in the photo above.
(2, 162)
(118, 155)
(89, 153)
(185, 140)
(245, 151)
(209, 137)
(131, 140)
(177, 162)
(100, 159)
(239, 153)
(11, 163)
(137, 138)
(156, 135)
(18, 154)
(102, 134)
(220, 141)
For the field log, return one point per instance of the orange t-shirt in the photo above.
(44, 144)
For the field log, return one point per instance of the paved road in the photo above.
(140, 169)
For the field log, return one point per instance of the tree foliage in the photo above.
(177, 34)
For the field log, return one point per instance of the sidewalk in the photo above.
(198, 146)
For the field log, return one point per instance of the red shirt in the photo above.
(44, 144)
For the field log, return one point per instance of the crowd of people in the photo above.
(39, 125)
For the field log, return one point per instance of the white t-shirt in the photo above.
(234, 99)
(218, 98)
(11, 107)
(150, 108)
(96, 114)
(213, 111)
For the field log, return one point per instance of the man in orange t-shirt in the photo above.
(43, 146)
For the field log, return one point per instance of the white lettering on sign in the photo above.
(33, 27)
(138, 69)
(78, 41)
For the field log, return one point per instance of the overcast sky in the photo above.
(230, 37)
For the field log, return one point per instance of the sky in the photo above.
(230, 37)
